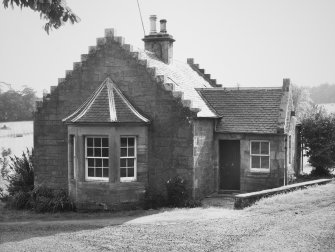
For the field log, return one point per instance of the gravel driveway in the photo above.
(298, 221)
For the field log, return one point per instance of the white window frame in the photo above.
(264, 170)
(87, 178)
(134, 178)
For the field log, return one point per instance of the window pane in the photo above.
(123, 142)
(105, 152)
(131, 152)
(97, 152)
(255, 148)
(265, 162)
(130, 172)
(97, 142)
(105, 163)
(90, 152)
(255, 162)
(105, 173)
(90, 162)
(130, 162)
(98, 162)
(91, 172)
(123, 152)
(265, 148)
(98, 172)
(123, 172)
(89, 141)
(123, 162)
(131, 142)
(105, 142)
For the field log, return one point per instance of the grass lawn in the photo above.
(298, 221)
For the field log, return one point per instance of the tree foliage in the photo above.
(318, 131)
(302, 101)
(17, 105)
(55, 12)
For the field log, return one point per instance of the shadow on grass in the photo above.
(18, 225)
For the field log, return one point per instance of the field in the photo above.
(17, 136)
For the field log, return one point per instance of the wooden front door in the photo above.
(229, 162)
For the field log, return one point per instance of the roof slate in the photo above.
(106, 105)
(245, 110)
(183, 78)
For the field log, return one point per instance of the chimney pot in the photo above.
(153, 19)
(162, 26)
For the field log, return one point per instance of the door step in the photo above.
(229, 192)
(223, 194)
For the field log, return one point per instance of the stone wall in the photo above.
(170, 150)
(203, 154)
(255, 181)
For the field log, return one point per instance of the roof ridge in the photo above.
(112, 110)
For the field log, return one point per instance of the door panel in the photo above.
(229, 162)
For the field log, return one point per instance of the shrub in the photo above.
(176, 196)
(319, 141)
(153, 199)
(23, 195)
(21, 200)
(20, 177)
(192, 203)
(45, 199)
(176, 192)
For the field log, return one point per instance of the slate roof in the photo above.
(245, 110)
(106, 105)
(183, 78)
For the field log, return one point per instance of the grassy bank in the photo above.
(302, 220)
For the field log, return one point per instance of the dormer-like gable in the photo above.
(106, 105)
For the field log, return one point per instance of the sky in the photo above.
(239, 42)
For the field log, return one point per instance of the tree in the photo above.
(302, 102)
(17, 106)
(56, 12)
(318, 131)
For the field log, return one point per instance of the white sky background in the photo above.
(249, 42)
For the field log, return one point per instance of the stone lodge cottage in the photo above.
(122, 120)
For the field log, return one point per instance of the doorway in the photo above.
(229, 164)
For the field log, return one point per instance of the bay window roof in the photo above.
(106, 105)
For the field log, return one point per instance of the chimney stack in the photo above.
(161, 44)
(286, 85)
